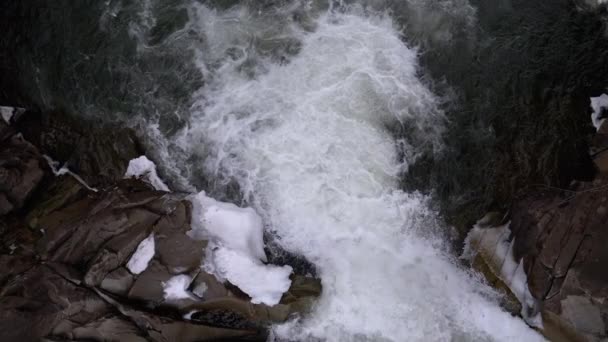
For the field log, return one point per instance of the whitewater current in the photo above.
(298, 109)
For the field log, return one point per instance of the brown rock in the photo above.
(97, 152)
(118, 282)
(601, 161)
(562, 237)
(149, 284)
(40, 302)
(20, 172)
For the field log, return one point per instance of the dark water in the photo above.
(513, 76)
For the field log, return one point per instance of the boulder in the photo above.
(84, 246)
(20, 169)
(66, 253)
(562, 237)
(98, 152)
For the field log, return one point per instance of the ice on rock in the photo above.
(7, 113)
(64, 170)
(236, 249)
(177, 287)
(597, 104)
(142, 167)
(236, 228)
(497, 251)
(143, 254)
(265, 284)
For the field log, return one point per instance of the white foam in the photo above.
(497, 250)
(308, 144)
(143, 254)
(177, 287)
(142, 167)
(597, 103)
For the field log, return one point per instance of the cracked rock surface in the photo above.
(64, 251)
(562, 236)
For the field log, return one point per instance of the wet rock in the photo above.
(149, 285)
(601, 161)
(39, 303)
(118, 282)
(20, 170)
(97, 152)
(64, 257)
(584, 315)
(562, 237)
(109, 329)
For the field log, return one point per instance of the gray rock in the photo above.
(118, 282)
(20, 172)
(562, 238)
(584, 315)
(149, 284)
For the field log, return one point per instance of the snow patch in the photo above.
(177, 287)
(143, 254)
(7, 113)
(142, 167)
(236, 228)
(188, 315)
(497, 250)
(236, 249)
(200, 289)
(265, 284)
(63, 170)
(597, 104)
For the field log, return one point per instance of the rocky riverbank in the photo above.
(69, 226)
(556, 241)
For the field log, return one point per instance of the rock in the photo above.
(584, 315)
(20, 171)
(109, 329)
(118, 282)
(39, 303)
(562, 237)
(97, 152)
(601, 161)
(64, 255)
(149, 285)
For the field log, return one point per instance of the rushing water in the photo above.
(298, 103)
(298, 111)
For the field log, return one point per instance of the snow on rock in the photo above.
(142, 167)
(597, 104)
(200, 289)
(177, 287)
(7, 113)
(236, 228)
(63, 170)
(265, 284)
(497, 251)
(142, 256)
(236, 249)
(188, 315)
